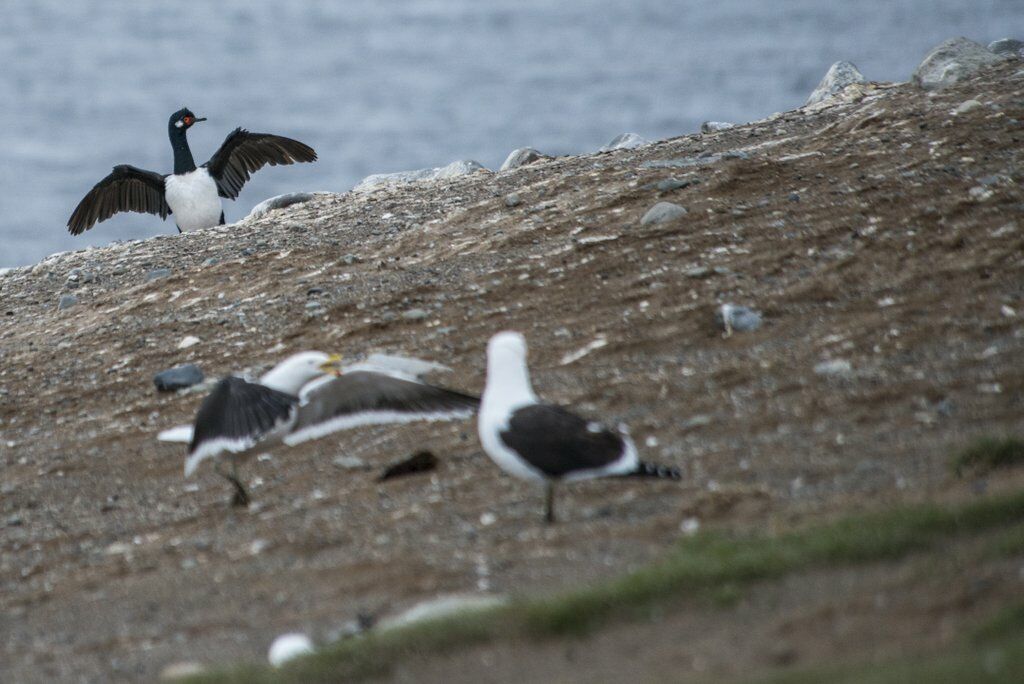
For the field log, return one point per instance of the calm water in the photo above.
(388, 86)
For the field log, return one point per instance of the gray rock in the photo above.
(512, 200)
(1007, 46)
(715, 126)
(967, 106)
(625, 141)
(178, 378)
(456, 168)
(670, 184)
(211, 261)
(522, 157)
(839, 76)
(66, 301)
(157, 274)
(282, 201)
(663, 212)
(415, 314)
(838, 368)
(735, 318)
(951, 62)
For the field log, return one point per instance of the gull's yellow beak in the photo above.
(332, 364)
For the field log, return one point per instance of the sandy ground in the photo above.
(885, 232)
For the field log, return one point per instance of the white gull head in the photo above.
(298, 369)
(508, 378)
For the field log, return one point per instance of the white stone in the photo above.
(289, 646)
(188, 341)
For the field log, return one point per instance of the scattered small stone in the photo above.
(735, 318)
(14, 521)
(349, 462)
(350, 259)
(157, 274)
(839, 76)
(834, 368)
(487, 519)
(210, 262)
(625, 141)
(181, 670)
(188, 341)
(66, 301)
(794, 197)
(415, 314)
(689, 526)
(698, 272)
(951, 62)
(980, 193)
(314, 304)
(967, 106)
(1007, 46)
(663, 212)
(522, 157)
(420, 462)
(289, 646)
(670, 184)
(715, 126)
(512, 200)
(178, 377)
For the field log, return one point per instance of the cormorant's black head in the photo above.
(183, 119)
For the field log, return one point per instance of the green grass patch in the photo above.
(994, 655)
(710, 564)
(989, 453)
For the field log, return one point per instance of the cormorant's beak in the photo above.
(198, 119)
(332, 364)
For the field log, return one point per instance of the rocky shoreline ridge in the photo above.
(863, 255)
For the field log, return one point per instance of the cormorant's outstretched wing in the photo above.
(244, 153)
(127, 188)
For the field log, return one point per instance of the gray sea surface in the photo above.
(386, 86)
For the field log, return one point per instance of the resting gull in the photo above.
(307, 396)
(545, 443)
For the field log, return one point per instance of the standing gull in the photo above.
(542, 442)
(307, 396)
(191, 193)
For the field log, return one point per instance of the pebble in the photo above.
(522, 157)
(181, 670)
(178, 377)
(663, 212)
(66, 301)
(735, 318)
(951, 62)
(188, 341)
(512, 200)
(625, 141)
(967, 106)
(715, 126)
(839, 76)
(670, 184)
(349, 462)
(415, 314)
(211, 261)
(158, 273)
(289, 646)
(834, 368)
(698, 272)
